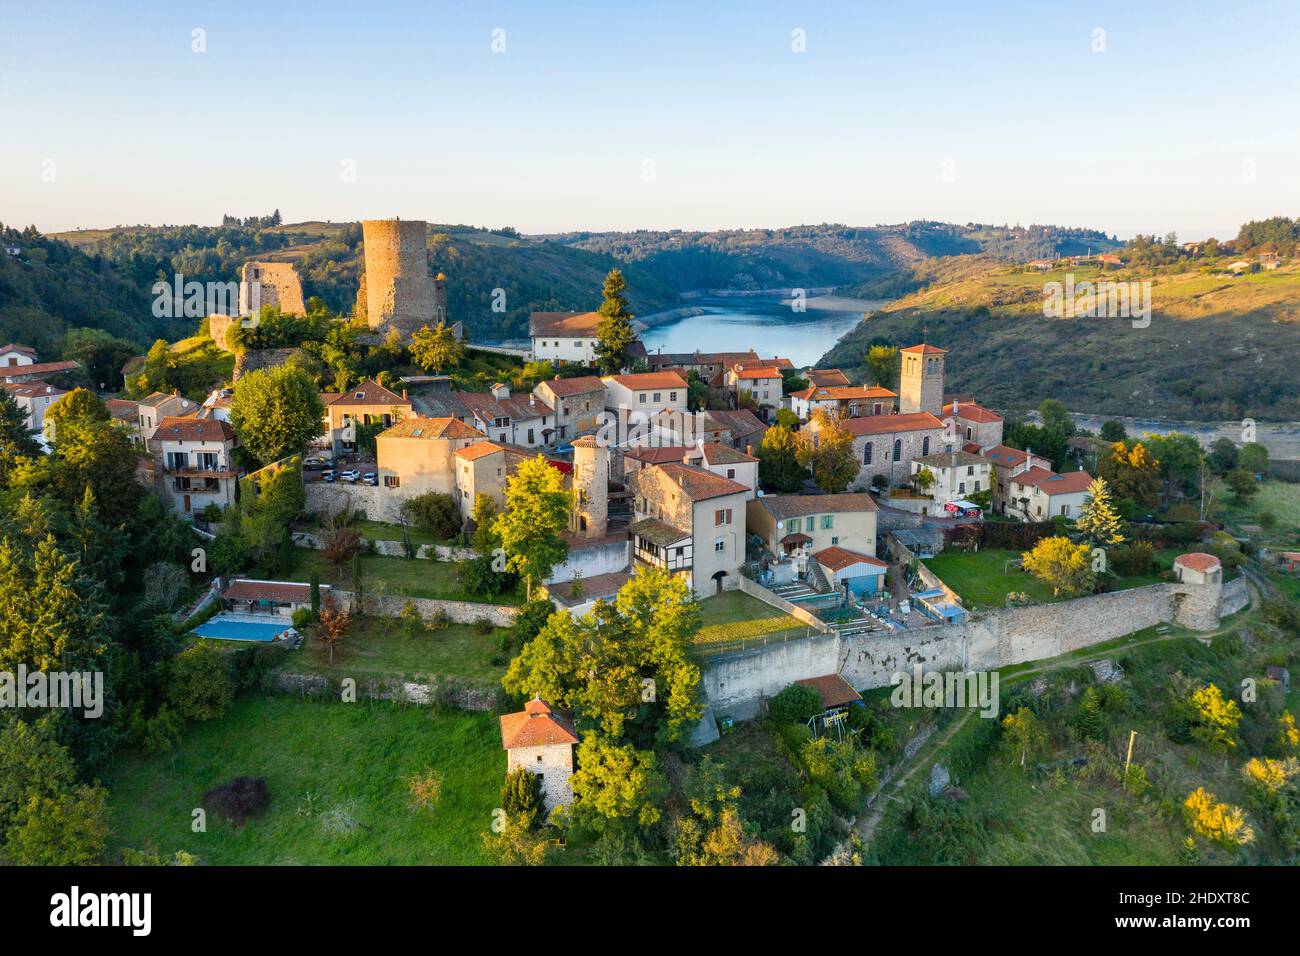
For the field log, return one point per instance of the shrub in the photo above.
(1133, 560)
(1219, 823)
(425, 788)
(434, 513)
(302, 618)
(238, 800)
(199, 684)
(482, 625)
(521, 798)
(797, 704)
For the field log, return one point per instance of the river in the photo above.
(768, 325)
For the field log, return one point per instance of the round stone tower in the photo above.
(1198, 593)
(590, 488)
(398, 290)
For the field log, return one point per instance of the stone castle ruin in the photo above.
(261, 284)
(396, 290)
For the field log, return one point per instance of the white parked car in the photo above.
(370, 478)
(328, 475)
(350, 475)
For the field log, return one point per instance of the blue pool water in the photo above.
(227, 628)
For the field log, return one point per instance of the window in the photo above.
(811, 523)
(969, 432)
(898, 449)
(672, 396)
(392, 481)
(658, 397)
(977, 486)
(828, 521)
(867, 452)
(970, 469)
(961, 488)
(577, 344)
(835, 541)
(719, 545)
(641, 397)
(722, 516)
(925, 445)
(531, 440)
(1065, 509)
(731, 473)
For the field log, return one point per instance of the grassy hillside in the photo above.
(1217, 347)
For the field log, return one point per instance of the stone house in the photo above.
(1040, 494)
(691, 522)
(761, 384)
(956, 474)
(847, 401)
(975, 423)
(632, 401)
(483, 469)
(525, 421)
(35, 399)
(812, 523)
(541, 741)
(156, 406)
(193, 466)
(367, 404)
(886, 444)
(576, 405)
(564, 336)
(722, 460)
(415, 455)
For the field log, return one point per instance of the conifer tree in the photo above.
(1099, 520)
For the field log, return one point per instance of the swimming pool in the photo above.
(242, 627)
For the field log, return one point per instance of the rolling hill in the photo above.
(1218, 347)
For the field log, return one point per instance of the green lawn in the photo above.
(402, 577)
(983, 580)
(381, 647)
(1279, 498)
(382, 531)
(736, 616)
(321, 760)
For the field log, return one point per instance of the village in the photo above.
(827, 536)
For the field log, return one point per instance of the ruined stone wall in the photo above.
(737, 682)
(264, 284)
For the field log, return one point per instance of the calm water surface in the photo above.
(767, 325)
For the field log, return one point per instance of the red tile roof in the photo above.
(888, 424)
(563, 324)
(761, 372)
(970, 412)
(369, 392)
(566, 387)
(699, 484)
(925, 350)
(536, 726)
(250, 589)
(837, 559)
(843, 393)
(833, 689)
(1198, 561)
(193, 429)
(39, 368)
(1051, 483)
(432, 428)
(828, 377)
(644, 380)
(487, 407)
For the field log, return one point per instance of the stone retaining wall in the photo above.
(458, 612)
(320, 687)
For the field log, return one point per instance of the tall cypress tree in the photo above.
(614, 334)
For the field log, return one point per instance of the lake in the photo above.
(767, 325)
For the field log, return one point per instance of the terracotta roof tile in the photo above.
(369, 392)
(837, 559)
(193, 429)
(432, 428)
(643, 380)
(833, 689)
(798, 506)
(566, 387)
(925, 350)
(536, 726)
(889, 424)
(1198, 561)
(563, 324)
(970, 412)
(250, 589)
(699, 484)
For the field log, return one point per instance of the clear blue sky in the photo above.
(896, 111)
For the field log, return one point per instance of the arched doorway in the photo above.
(717, 577)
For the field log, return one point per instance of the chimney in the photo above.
(403, 394)
(749, 450)
(686, 457)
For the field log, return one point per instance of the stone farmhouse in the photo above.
(847, 401)
(483, 468)
(722, 460)
(884, 445)
(541, 741)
